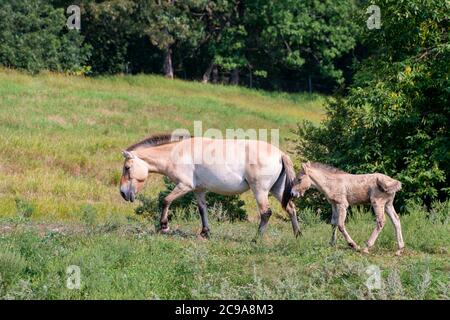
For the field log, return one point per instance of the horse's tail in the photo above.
(288, 169)
(388, 185)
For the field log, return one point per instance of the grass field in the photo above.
(60, 143)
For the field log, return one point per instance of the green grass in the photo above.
(60, 143)
(125, 258)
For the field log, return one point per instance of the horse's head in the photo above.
(303, 182)
(134, 174)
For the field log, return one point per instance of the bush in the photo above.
(34, 37)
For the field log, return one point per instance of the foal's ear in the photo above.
(127, 154)
(305, 167)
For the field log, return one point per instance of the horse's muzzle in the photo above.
(128, 194)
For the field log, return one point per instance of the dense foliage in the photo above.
(259, 43)
(33, 36)
(395, 118)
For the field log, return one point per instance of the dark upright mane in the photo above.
(157, 140)
(326, 167)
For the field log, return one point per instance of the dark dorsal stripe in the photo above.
(157, 140)
(318, 165)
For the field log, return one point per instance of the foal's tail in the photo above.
(288, 169)
(388, 185)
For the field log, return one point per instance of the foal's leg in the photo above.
(398, 228)
(378, 208)
(290, 209)
(334, 223)
(179, 190)
(342, 210)
(201, 203)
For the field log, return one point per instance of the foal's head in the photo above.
(303, 182)
(134, 174)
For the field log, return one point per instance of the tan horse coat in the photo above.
(200, 164)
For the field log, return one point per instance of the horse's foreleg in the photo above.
(201, 203)
(342, 209)
(379, 214)
(179, 190)
(398, 228)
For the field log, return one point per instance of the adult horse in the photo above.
(223, 166)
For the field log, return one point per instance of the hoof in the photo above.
(201, 238)
(205, 235)
(298, 234)
(365, 250)
(354, 246)
(164, 230)
(399, 252)
(256, 240)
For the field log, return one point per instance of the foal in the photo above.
(343, 189)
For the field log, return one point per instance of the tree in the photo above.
(34, 36)
(109, 27)
(301, 37)
(169, 23)
(395, 119)
(226, 38)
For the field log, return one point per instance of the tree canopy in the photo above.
(260, 43)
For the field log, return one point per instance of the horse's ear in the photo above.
(127, 154)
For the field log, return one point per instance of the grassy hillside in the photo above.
(61, 137)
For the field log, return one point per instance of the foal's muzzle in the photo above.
(295, 194)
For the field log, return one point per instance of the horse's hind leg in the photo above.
(179, 190)
(262, 200)
(398, 228)
(378, 208)
(201, 203)
(290, 209)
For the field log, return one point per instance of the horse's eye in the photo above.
(127, 168)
